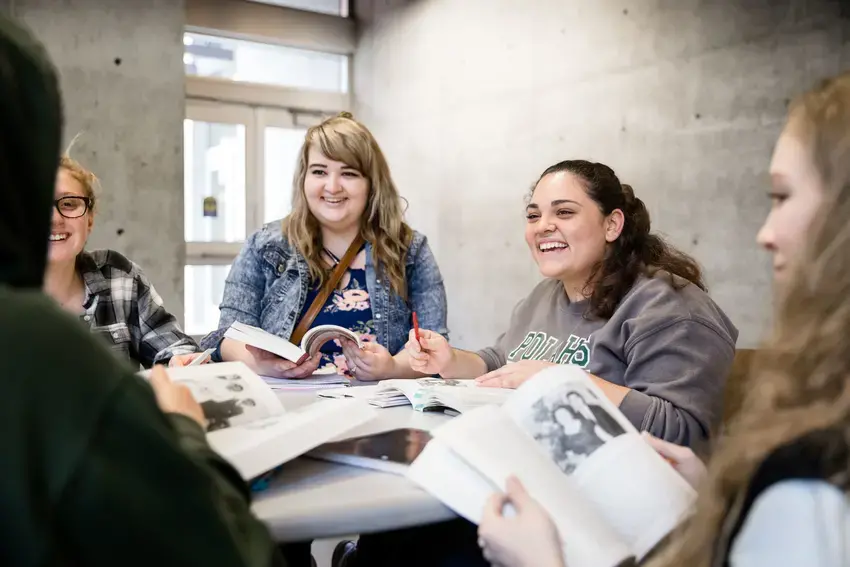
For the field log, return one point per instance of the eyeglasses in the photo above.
(72, 207)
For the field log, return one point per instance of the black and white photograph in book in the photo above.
(225, 399)
(571, 424)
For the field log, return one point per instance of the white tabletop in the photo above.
(310, 499)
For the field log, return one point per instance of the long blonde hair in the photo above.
(343, 139)
(800, 382)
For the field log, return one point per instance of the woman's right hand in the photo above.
(526, 538)
(266, 363)
(431, 354)
(175, 398)
(682, 458)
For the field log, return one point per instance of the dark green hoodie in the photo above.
(91, 472)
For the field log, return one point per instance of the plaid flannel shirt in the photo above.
(123, 307)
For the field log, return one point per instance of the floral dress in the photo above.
(348, 307)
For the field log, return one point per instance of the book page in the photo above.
(229, 393)
(640, 495)
(260, 446)
(462, 399)
(492, 444)
(264, 340)
(433, 393)
(316, 337)
(567, 414)
(447, 477)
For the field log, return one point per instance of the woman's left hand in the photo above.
(513, 374)
(369, 362)
(526, 539)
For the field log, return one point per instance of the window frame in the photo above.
(272, 24)
(199, 253)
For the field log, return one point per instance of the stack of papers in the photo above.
(314, 382)
(426, 394)
(388, 399)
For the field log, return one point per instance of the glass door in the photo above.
(217, 193)
(239, 168)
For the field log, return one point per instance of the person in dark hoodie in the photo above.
(93, 472)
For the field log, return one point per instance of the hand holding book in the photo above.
(175, 398)
(528, 536)
(610, 494)
(267, 363)
(368, 361)
(516, 531)
(681, 458)
(271, 355)
(246, 422)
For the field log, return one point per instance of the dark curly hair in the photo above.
(636, 251)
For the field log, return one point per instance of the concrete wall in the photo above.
(471, 100)
(122, 80)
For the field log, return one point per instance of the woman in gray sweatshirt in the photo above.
(617, 300)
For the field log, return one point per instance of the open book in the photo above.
(426, 394)
(310, 343)
(247, 424)
(609, 493)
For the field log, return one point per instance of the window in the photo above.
(334, 7)
(265, 63)
(214, 181)
(281, 154)
(203, 290)
(248, 107)
(238, 176)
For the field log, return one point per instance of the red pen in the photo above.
(416, 329)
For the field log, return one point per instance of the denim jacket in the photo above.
(268, 283)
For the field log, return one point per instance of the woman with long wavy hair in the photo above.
(776, 491)
(343, 198)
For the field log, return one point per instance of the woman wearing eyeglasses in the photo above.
(106, 290)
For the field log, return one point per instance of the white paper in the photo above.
(447, 477)
(463, 399)
(497, 448)
(316, 337)
(264, 340)
(608, 492)
(640, 495)
(427, 393)
(229, 393)
(316, 381)
(258, 447)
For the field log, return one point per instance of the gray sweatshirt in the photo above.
(672, 348)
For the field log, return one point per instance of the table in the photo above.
(311, 499)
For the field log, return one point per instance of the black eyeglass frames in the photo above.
(72, 207)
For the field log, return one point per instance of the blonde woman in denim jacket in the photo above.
(342, 188)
